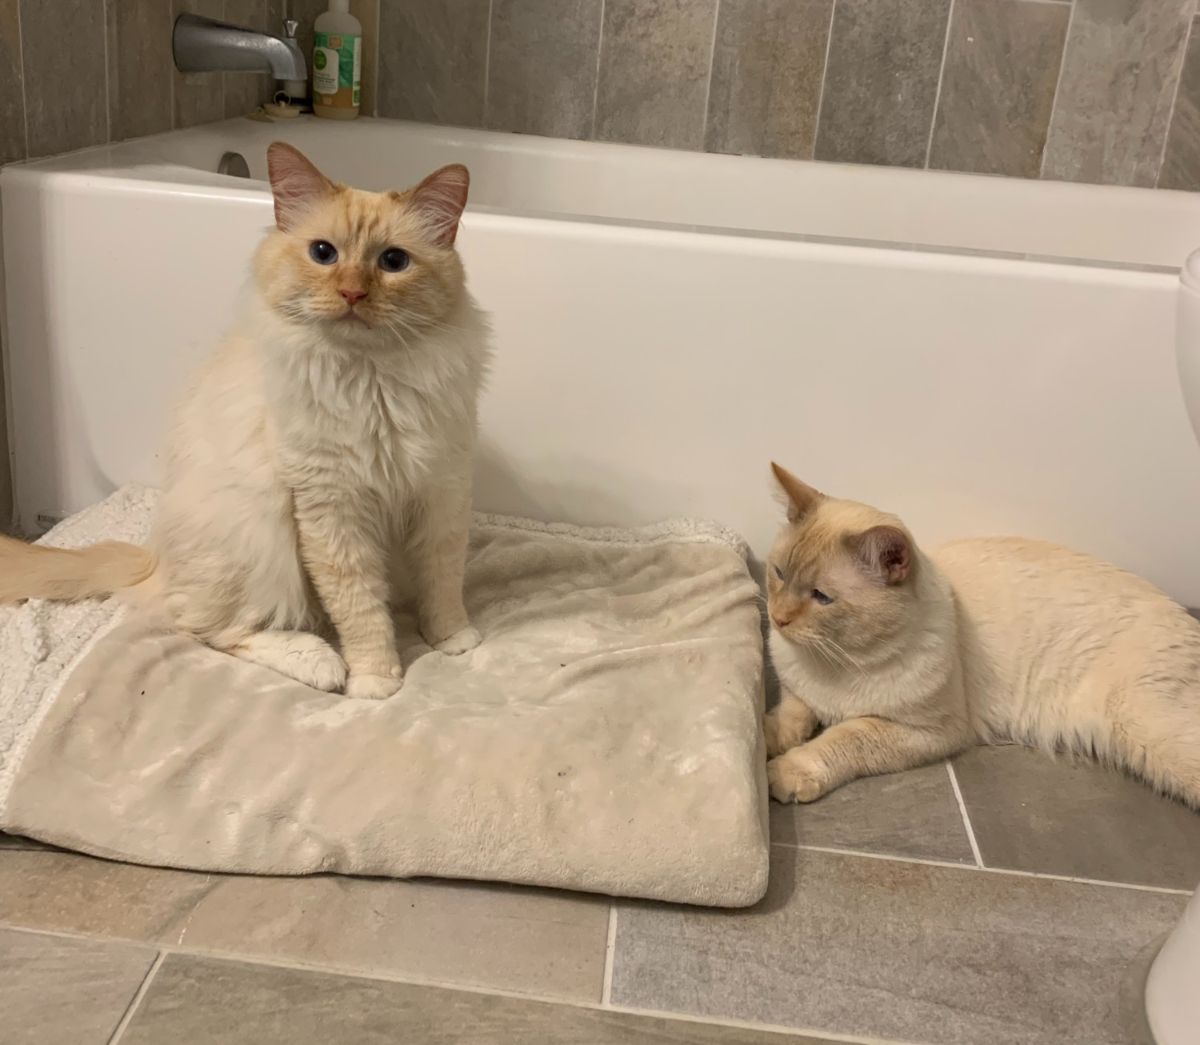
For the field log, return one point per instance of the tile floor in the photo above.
(1011, 898)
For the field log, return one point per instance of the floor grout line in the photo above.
(166, 950)
(962, 808)
(896, 858)
(610, 946)
(136, 1001)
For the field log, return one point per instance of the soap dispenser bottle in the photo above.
(337, 62)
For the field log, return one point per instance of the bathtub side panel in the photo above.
(644, 373)
(115, 293)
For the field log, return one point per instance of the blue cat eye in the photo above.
(821, 598)
(393, 260)
(322, 253)
(777, 571)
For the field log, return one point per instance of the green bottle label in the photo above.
(337, 65)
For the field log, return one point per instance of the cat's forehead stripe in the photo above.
(810, 549)
(365, 220)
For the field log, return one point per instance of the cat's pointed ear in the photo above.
(884, 553)
(800, 498)
(295, 183)
(440, 199)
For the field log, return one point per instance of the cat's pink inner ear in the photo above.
(440, 198)
(800, 498)
(295, 183)
(886, 553)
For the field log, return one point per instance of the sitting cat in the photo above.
(325, 448)
(907, 658)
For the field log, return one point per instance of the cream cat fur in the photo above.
(323, 458)
(906, 658)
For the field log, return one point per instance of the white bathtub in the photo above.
(666, 324)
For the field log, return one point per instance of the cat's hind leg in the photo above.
(300, 655)
(789, 724)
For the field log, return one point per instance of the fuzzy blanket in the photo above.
(604, 736)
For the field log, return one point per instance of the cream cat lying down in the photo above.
(906, 658)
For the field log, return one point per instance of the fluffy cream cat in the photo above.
(324, 454)
(906, 658)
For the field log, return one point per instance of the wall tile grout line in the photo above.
(824, 77)
(712, 57)
(610, 946)
(1062, 66)
(107, 77)
(376, 63)
(487, 62)
(171, 62)
(596, 86)
(937, 95)
(962, 808)
(166, 951)
(24, 89)
(974, 869)
(1187, 39)
(136, 1001)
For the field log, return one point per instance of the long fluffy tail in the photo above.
(31, 571)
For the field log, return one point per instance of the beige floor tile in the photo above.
(504, 937)
(60, 991)
(72, 893)
(901, 814)
(902, 951)
(200, 1000)
(1031, 812)
(527, 940)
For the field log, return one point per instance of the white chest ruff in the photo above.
(367, 429)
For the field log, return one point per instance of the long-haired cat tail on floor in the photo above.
(905, 658)
(324, 452)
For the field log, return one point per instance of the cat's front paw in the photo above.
(465, 639)
(373, 687)
(796, 777)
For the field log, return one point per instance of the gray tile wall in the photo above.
(75, 73)
(1083, 90)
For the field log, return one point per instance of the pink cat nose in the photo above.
(352, 296)
(781, 621)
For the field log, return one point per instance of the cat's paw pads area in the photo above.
(324, 670)
(460, 642)
(794, 777)
(373, 687)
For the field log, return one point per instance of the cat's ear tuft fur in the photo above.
(799, 497)
(884, 553)
(295, 183)
(440, 198)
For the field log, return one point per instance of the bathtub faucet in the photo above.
(203, 45)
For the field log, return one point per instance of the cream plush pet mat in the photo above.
(604, 737)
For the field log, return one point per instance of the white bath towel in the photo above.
(604, 736)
